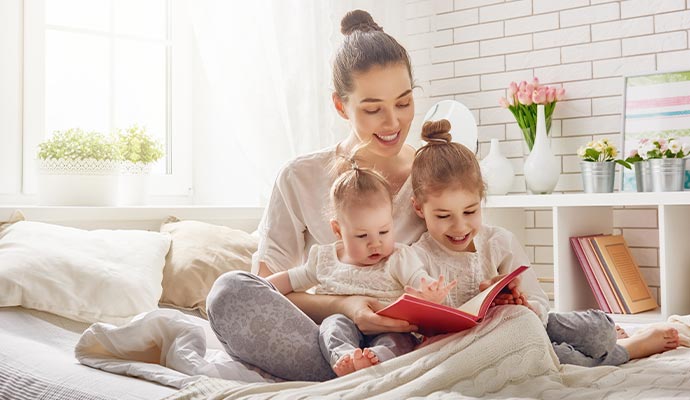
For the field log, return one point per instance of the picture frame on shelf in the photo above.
(655, 104)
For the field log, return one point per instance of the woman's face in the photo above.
(380, 108)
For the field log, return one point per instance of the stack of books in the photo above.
(613, 274)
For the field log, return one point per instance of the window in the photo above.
(104, 65)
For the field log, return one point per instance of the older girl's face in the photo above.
(380, 108)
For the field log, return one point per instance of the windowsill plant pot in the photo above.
(138, 151)
(134, 183)
(77, 168)
(598, 177)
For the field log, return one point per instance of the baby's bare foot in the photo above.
(364, 358)
(344, 365)
(650, 341)
(621, 333)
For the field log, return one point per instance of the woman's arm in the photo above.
(281, 281)
(360, 309)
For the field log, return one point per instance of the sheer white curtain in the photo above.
(262, 85)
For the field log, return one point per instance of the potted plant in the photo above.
(138, 151)
(76, 167)
(659, 164)
(598, 165)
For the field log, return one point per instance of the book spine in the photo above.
(589, 275)
(599, 274)
(609, 274)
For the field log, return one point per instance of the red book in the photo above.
(433, 318)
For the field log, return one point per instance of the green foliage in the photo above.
(75, 144)
(136, 145)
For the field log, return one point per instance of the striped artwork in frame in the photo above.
(656, 104)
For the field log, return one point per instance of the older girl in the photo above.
(448, 191)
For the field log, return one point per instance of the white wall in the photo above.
(469, 50)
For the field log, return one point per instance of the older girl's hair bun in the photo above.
(436, 131)
(358, 20)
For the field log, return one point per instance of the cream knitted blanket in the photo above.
(510, 346)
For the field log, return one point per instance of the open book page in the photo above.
(478, 304)
(432, 318)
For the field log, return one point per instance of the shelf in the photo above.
(589, 199)
(647, 317)
(576, 214)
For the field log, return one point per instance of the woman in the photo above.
(373, 84)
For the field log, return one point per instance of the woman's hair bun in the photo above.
(435, 131)
(358, 20)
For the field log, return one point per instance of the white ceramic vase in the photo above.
(541, 168)
(497, 171)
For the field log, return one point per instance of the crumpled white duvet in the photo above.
(169, 347)
(507, 356)
(164, 346)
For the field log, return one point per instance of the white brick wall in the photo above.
(471, 49)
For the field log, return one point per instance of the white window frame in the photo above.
(173, 187)
(10, 99)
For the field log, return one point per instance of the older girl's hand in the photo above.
(362, 310)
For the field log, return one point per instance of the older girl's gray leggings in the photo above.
(260, 326)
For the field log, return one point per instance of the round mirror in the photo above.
(462, 124)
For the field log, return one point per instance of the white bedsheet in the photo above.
(37, 358)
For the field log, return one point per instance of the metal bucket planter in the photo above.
(643, 176)
(598, 177)
(667, 174)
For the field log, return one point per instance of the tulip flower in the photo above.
(522, 100)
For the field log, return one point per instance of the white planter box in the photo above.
(86, 182)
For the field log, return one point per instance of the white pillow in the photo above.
(91, 276)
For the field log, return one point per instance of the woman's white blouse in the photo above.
(297, 213)
(497, 252)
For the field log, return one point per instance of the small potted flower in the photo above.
(78, 168)
(598, 165)
(139, 151)
(659, 164)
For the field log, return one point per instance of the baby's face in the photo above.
(366, 232)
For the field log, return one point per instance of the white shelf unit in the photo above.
(585, 213)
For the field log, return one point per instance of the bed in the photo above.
(38, 359)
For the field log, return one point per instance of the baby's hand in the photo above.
(434, 291)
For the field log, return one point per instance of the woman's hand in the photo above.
(362, 310)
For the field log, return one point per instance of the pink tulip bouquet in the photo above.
(522, 101)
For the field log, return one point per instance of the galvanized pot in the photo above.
(643, 176)
(598, 177)
(667, 174)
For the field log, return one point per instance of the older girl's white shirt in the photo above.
(497, 252)
(296, 217)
